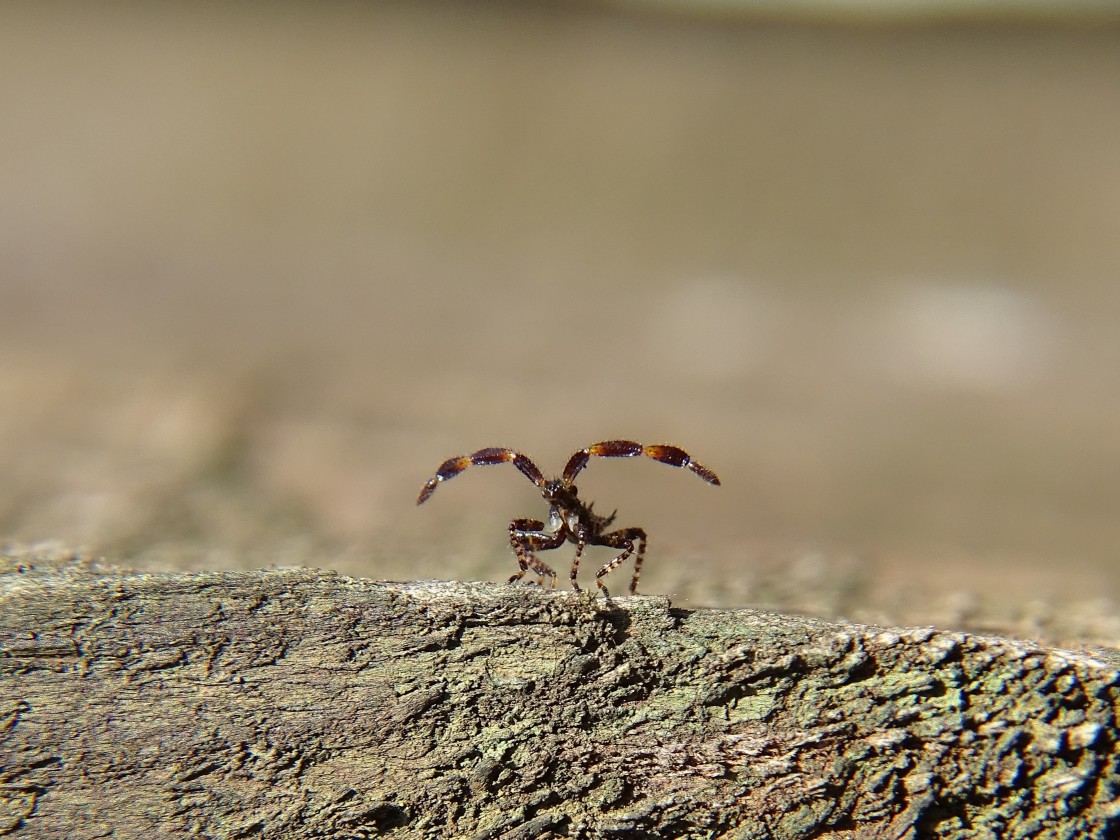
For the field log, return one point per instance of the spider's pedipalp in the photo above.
(483, 457)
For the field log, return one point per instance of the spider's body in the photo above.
(569, 518)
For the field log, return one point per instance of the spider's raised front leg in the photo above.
(527, 536)
(483, 457)
(624, 538)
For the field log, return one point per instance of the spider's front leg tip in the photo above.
(427, 491)
(704, 473)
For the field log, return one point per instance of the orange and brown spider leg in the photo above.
(603, 449)
(624, 539)
(482, 458)
(527, 536)
(666, 453)
(674, 456)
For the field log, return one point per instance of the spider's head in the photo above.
(560, 494)
(555, 490)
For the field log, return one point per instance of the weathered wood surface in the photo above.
(298, 703)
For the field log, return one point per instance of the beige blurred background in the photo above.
(264, 267)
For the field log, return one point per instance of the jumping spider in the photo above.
(569, 518)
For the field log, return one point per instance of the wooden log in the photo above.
(300, 703)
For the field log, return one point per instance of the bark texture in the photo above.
(303, 704)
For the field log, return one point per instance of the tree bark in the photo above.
(299, 703)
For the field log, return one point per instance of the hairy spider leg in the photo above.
(482, 458)
(623, 538)
(527, 536)
(581, 543)
(674, 456)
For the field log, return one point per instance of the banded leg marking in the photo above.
(527, 536)
(581, 543)
(624, 539)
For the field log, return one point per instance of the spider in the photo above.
(569, 518)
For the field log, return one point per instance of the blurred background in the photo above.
(264, 266)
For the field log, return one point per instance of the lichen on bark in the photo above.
(299, 703)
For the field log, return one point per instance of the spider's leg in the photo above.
(605, 449)
(483, 457)
(624, 538)
(666, 453)
(674, 456)
(517, 534)
(581, 543)
(527, 536)
(638, 558)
